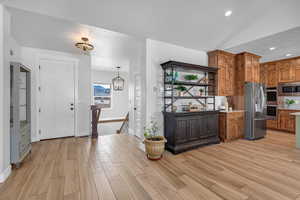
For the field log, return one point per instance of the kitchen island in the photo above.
(297, 124)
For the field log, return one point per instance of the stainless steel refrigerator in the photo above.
(255, 111)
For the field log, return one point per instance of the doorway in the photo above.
(57, 99)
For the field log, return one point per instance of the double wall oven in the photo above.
(272, 102)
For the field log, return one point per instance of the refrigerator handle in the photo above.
(263, 98)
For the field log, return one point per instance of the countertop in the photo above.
(232, 111)
(285, 108)
(296, 113)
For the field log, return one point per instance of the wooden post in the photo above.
(96, 110)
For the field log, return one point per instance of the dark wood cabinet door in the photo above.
(194, 129)
(182, 130)
(209, 128)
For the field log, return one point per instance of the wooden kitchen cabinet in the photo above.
(272, 124)
(225, 61)
(269, 74)
(286, 71)
(231, 125)
(247, 70)
(252, 68)
(286, 121)
(281, 71)
(272, 75)
(263, 74)
(297, 69)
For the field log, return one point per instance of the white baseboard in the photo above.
(83, 134)
(34, 139)
(5, 174)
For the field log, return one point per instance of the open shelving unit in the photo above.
(189, 127)
(207, 82)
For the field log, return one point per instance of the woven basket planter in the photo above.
(155, 147)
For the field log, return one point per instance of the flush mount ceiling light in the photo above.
(228, 13)
(287, 55)
(272, 48)
(118, 82)
(84, 45)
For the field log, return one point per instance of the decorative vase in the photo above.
(155, 147)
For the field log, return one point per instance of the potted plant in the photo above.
(154, 144)
(289, 102)
(171, 76)
(191, 77)
(201, 91)
(181, 89)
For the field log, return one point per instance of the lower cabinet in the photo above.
(185, 131)
(231, 126)
(272, 124)
(286, 121)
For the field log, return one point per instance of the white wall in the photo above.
(7, 46)
(120, 99)
(137, 68)
(157, 53)
(30, 58)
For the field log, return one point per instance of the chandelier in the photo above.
(118, 82)
(84, 45)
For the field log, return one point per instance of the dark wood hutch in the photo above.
(185, 127)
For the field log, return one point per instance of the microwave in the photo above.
(289, 89)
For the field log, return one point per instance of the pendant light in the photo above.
(118, 82)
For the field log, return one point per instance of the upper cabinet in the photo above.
(297, 69)
(226, 74)
(269, 74)
(272, 75)
(286, 71)
(263, 73)
(252, 69)
(280, 71)
(247, 70)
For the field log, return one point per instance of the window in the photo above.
(102, 94)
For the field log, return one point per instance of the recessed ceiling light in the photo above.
(272, 48)
(228, 13)
(287, 55)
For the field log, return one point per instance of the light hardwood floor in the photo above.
(114, 168)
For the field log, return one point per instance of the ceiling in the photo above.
(111, 48)
(287, 42)
(196, 24)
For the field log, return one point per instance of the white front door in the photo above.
(57, 99)
(137, 106)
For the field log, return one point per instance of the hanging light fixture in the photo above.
(118, 82)
(84, 45)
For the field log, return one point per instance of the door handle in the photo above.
(71, 108)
